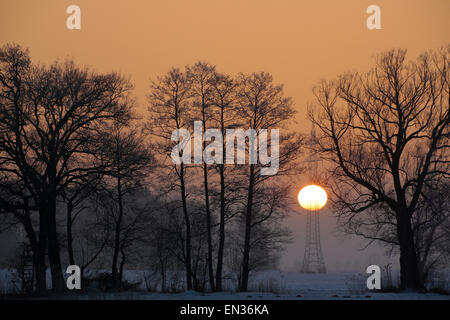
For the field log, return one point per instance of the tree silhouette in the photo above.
(47, 116)
(262, 105)
(127, 161)
(201, 76)
(385, 134)
(168, 103)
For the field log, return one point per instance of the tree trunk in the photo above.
(188, 230)
(221, 230)
(49, 206)
(207, 207)
(114, 271)
(248, 223)
(222, 208)
(69, 233)
(58, 284)
(409, 269)
(208, 228)
(40, 269)
(38, 248)
(163, 273)
(122, 264)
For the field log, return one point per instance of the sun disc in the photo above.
(312, 197)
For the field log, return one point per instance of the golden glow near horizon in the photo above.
(312, 197)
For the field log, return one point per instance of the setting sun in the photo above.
(312, 197)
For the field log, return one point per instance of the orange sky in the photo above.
(299, 42)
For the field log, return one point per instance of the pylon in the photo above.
(313, 261)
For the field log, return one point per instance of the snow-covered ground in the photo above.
(300, 295)
(269, 285)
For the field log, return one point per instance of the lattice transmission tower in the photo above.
(313, 261)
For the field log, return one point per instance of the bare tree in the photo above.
(428, 223)
(47, 117)
(253, 102)
(168, 102)
(201, 76)
(76, 198)
(262, 105)
(223, 91)
(93, 234)
(121, 149)
(385, 134)
(165, 241)
(16, 197)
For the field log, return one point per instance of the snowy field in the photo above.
(269, 285)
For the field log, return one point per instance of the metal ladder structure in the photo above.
(313, 261)
(27, 269)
